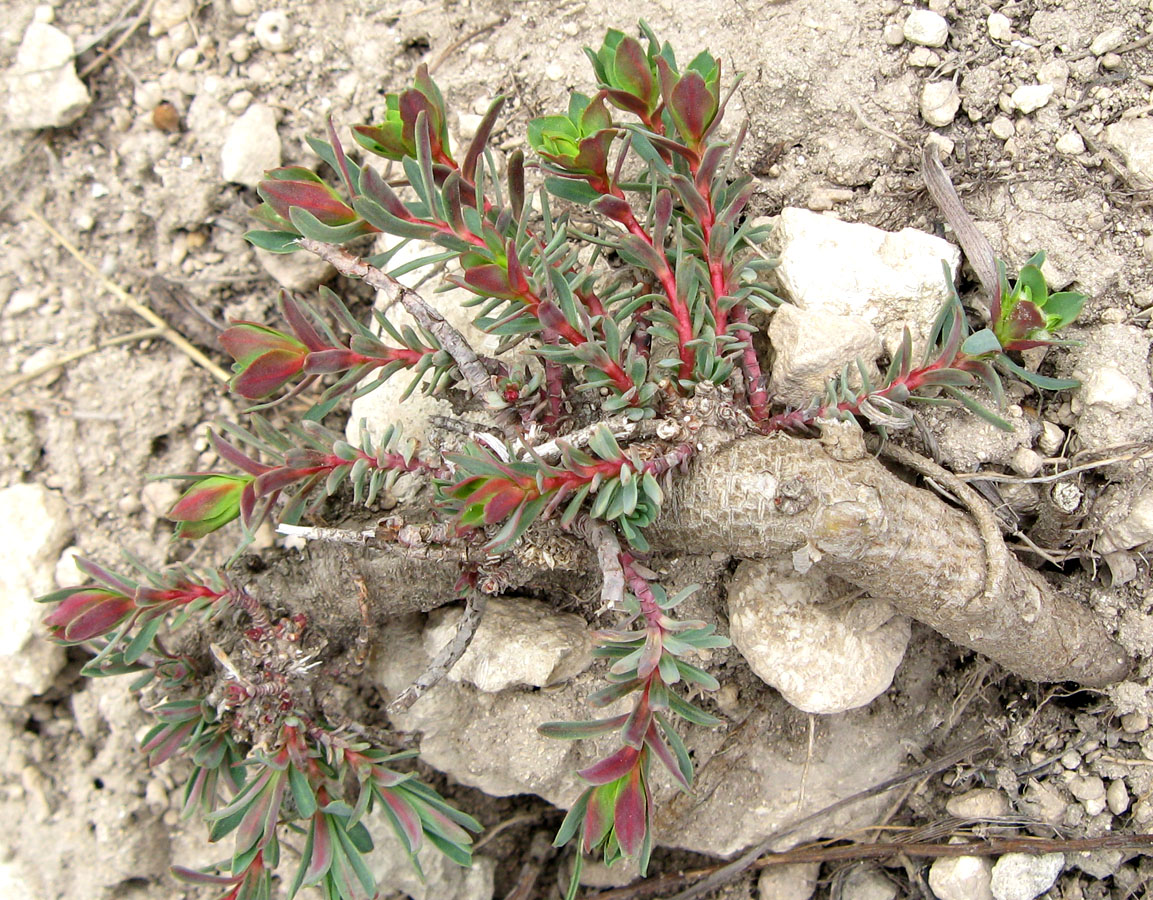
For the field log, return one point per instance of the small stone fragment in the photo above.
(252, 147)
(242, 7)
(1087, 787)
(166, 117)
(1051, 439)
(1107, 41)
(1109, 387)
(979, 803)
(273, 31)
(940, 101)
(1002, 128)
(867, 883)
(515, 644)
(961, 878)
(43, 89)
(927, 28)
(1000, 27)
(1029, 98)
(1134, 722)
(1070, 144)
(1023, 876)
(1117, 796)
(1133, 139)
(1111, 61)
(167, 14)
(296, 271)
(923, 58)
(894, 36)
(1026, 462)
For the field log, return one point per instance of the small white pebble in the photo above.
(1117, 796)
(243, 7)
(1087, 787)
(1028, 463)
(1070, 144)
(239, 102)
(239, 48)
(1134, 722)
(1002, 128)
(1000, 27)
(940, 101)
(894, 34)
(554, 72)
(273, 31)
(1108, 41)
(923, 58)
(1111, 61)
(1050, 441)
(467, 124)
(44, 14)
(944, 145)
(1031, 97)
(927, 28)
(187, 59)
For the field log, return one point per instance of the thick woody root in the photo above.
(762, 497)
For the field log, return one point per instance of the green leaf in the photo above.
(143, 640)
(301, 792)
(980, 343)
(572, 190)
(274, 241)
(1036, 379)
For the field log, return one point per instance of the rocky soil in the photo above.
(138, 131)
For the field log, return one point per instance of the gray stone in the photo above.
(889, 279)
(927, 28)
(1108, 41)
(517, 643)
(824, 656)
(1070, 144)
(1023, 876)
(167, 14)
(1000, 27)
(940, 101)
(979, 803)
(252, 147)
(1117, 796)
(443, 879)
(1133, 139)
(961, 878)
(43, 89)
(810, 347)
(788, 882)
(34, 528)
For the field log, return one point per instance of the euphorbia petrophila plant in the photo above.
(663, 344)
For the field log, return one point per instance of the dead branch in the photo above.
(447, 656)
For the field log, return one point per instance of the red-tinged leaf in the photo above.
(516, 277)
(168, 747)
(376, 188)
(639, 722)
(651, 657)
(576, 731)
(631, 71)
(209, 498)
(248, 341)
(300, 324)
(321, 859)
(692, 106)
(323, 362)
(480, 138)
(599, 816)
(490, 281)
(630, 814)
(627, 102)
(238, 457)
(94, 615)
(613, 207)
(268, 374)
(405, 817)
(612, 767)
(279, 478)
(92, 570)
(318, 199)
(502, 505)
(665, 755)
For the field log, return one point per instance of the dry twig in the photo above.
(131, 337)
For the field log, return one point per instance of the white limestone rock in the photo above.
(1029, 98)
(1023, 876)
(252, 147)
(810, 347)
(822, 655)
(962, 878)
(979, 803)
(1133, 139)
(940, 101)
(273, 31)
(518, 642)
(840, 268)
(926, 28)
(43, 88)
(1113, 402)
(34, 528)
